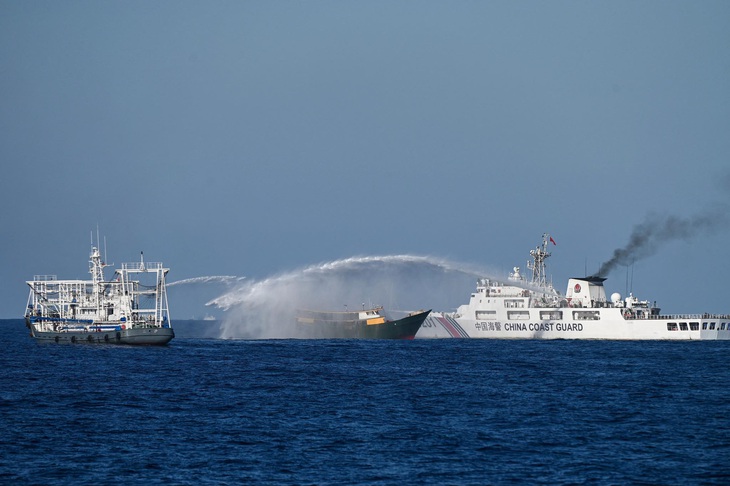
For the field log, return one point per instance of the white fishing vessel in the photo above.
(129, 309)
(521, 309)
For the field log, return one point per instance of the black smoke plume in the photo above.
(656, 230)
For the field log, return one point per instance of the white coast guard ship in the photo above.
(129, 309)
(519, 309)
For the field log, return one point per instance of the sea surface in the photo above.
(209, 411)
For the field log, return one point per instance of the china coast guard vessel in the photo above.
(518, 309)
(129, 309)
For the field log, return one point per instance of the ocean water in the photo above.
(207, 411)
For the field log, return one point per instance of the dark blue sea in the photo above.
(208, 411)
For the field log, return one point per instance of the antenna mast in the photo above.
(537, 265)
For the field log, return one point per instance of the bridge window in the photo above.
(672, 326)
(586, 315)
(682, 326)
(550, 315)
(704, 326)
(518, 315)
(722, 326)
(514, 303)
(486, 315)
(694, 326)
(712, 326)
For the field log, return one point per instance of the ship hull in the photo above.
(156, 336)
(405, 328)
(679, 328)
(517, 309)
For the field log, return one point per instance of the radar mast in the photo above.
(537, 265)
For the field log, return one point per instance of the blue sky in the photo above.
(255, 138)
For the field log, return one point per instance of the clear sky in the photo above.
(254, 138)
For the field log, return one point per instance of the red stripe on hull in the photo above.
(449, 327)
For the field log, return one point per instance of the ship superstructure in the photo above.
(131, 308)
(518, 309)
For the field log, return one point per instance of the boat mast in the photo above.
(96, 266)
(96, 269)
(537, 265)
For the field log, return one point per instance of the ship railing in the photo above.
(507, 294)
(139, 266)
(690, 316)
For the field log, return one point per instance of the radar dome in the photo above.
(615, 297)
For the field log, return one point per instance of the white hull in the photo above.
(519, 309)
(441, 325)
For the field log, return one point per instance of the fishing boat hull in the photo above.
(104, 334)
(405, 328)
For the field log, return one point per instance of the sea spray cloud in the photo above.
(267, 308)
(188, 296)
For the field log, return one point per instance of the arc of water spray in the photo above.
(245, 292)
(227, 279)
(267, 308)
